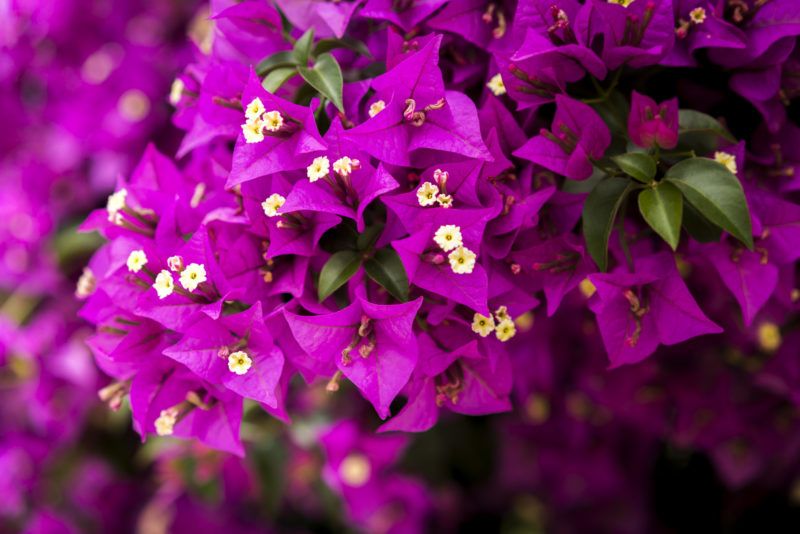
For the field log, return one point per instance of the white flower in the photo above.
(176, 91)
(496, 85)
(239, 362)
(729, 160)
(254, 109)
(87, 284)
(175, 263)
(698, 15)
(273, 204)
(116, 202)
(164, 285)
(273, 121)
(136, 260)
(448, 237)
(587, 288)
(319, 168)
(505, 330)
(355, 470)
(623, 3)
(769, 337)
(462, 260)
(345, 166)
(253, 130)
(501, 313)
(482, 325)
(376, 107)
(165, 424)
(445, 201)
(192, 276)
(426, 194)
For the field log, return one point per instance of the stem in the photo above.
(622, 239)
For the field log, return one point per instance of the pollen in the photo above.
(192, 276)
(505, 330)
(239, 362)
(273, 204)
(355, 470)
(769, 337)
(253, 130)
(273, 121)
(448, 237)
(176, 91)
(116, 203)
(698, 15)
(729, 160)
(427, 194)
(164, 285)
(345, 166)
(136, 260)
(319, 168)
(376, 107)
(254, 109)
(587, 288)
(462, 260)
(165, 424)
(482, 325)
(496, 85)
(445, 201)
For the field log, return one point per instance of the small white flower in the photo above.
(355, 470)
(448, 237)
(239, 362)
(116, 202)
(254, 109)
(165, 424)
(176, 91)
(253, 130)
(136, 260)
(482, 325)
(445, 201)
(273, 121)
(496, 85)
(345, 166)
(462, 260)
(192, 276)
(427, 193)
(698, 15)
(87, 284)
(729, 160)
(505, 330)
(376, 107)
(164, 285)
(175, 263)
(319, 168)
(623, 3)
(273, 204)
(501, 313)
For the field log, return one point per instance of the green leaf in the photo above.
(370, 235)
(302, 48)
(386, 269)
(599, 212)
(662, 208)
(701, 229)
(278, 77)
(325, 77)
(700, 132)
(639, 165)
(337, 271)
(326, 45)
(716, 193)
(276, 60)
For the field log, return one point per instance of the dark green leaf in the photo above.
(614, 112)
(279, 59)
(370, 235)
(278, 77)
(302, 48)
(325, 77)
(386, 269)
(599, 212)
(700, 132)
(337, 271)
(662, 208)
(326, 45)
(639, 165)
(701, 229)
(716, 193)
(341, 237)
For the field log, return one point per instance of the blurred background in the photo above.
(686, 442)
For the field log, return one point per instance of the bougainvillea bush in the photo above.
(400, 266)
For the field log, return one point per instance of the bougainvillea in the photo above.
(581, 214)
